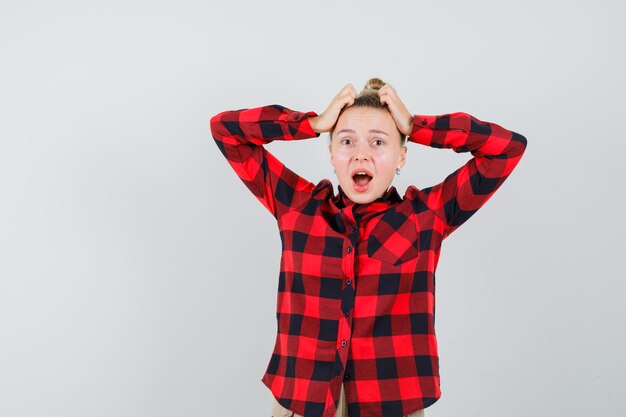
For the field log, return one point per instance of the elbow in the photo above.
(517, 137)
(519, 142)
(225, 124)
(215, 124)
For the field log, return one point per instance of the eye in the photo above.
(379, 142)
(345, 141)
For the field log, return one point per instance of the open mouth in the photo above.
(361, 180)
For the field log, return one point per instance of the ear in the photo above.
(402, 158)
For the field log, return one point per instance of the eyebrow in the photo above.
(371, 131)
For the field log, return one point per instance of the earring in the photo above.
(398, 171)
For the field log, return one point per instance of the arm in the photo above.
(496, 151)
(240, 136)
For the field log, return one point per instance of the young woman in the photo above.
(356, 289)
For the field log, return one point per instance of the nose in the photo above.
(361, 152)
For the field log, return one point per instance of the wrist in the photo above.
(313, 122)
(410, 126)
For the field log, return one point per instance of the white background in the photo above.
(138, 275)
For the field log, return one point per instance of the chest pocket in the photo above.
(394, 239)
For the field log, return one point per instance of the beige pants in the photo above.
(342, 409)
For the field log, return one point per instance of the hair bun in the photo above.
(374, 84)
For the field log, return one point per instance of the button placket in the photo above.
(347, 303)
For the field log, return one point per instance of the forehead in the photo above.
(363, 119)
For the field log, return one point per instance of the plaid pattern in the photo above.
(356, 289)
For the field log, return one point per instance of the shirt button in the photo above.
(346, 375)
(346, 313)
(344, 343)
(352, 228)
(349, 249)
(423, 122)
(348, 281)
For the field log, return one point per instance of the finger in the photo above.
(350, 95)
(390, 94)
(346, 99)
(384, 89)
(385, 95)
(389, 88)
(347, 90)
(343, 90)
(350, 91)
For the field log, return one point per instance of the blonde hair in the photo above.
(368, 97)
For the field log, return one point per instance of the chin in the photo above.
(361, 198)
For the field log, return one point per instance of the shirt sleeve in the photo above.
(240, 136)
(496, 151)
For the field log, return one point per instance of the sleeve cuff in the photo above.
(422, 130)
(300, 125)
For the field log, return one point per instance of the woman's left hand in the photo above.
(399, 112)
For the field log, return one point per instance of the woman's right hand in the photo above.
(325, 121)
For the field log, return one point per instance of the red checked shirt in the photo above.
(356, 289)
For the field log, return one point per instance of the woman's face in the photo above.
(366, 140)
